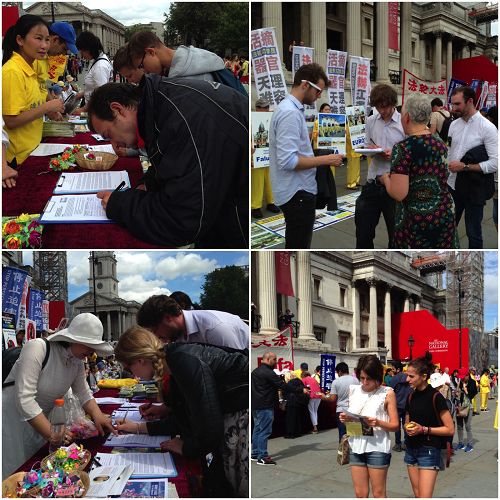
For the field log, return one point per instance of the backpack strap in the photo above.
(443, 115)
(44, 362)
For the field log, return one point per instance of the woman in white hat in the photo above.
(27, 402)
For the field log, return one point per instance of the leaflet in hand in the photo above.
(146, 465)
(90, 182)
(135, 440)
(74, 208)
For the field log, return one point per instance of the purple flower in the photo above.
(35, 239)
(33, 224)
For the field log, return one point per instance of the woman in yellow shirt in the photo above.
(484, 382)
(23, 105)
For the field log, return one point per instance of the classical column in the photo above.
(272, 18)
(354, 28)
(372, 321)
(406, 307)
(417, 304)
(465, 51)
(108, 329)
(387, 320)
(356, 320)
(318, 31)
(422, 58)
(449, 58)
(405, 27)
(304, 295)
(267, 292)
(382, 37)
(437, 55)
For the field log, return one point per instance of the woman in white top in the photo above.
(27, 403)
(100, 71)
(370, 454)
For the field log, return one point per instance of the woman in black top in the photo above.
(428, 420)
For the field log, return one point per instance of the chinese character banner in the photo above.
(360, 80)
(280, 343)
(301, 56)
(335, 71)
(414, 85)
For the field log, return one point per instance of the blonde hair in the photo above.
(289, 376)
(139, 343)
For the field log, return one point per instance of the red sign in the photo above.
(10, 15)
(283, 273)
(393, 26)
(57, 312)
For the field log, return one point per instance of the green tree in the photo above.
(130, 30)
(226, 289)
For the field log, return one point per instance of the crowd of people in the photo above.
(198, 358)
(422, 404)
(432, 167)
(182, 107)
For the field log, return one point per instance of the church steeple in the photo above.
(105, 274)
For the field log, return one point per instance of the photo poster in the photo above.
(335, 71)
(327, 371)
(8, 331)
(359, 71)
(491, 98)
(300, 57)
(331, 132)
(261, 121)
(15, 283)
(454, 83)
(30, 330)
(414, 85)
(267, 68)
(356, 122)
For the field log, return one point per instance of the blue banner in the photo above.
(454, 83)
(13, 280)
(327, 371)
(35, 309)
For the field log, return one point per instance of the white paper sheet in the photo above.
(129, 405)
(104, 480)
(147, 465)
(135, 441)
(105, 148)
(47, 149)
(110, 401)
(90, 182)
(368, 151)
(134, 416)
(75, 208)
(99, 137)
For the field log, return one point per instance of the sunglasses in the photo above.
(318, 89)
(141, 65)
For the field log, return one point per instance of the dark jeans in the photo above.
(299, 214)
(473, 219)
(262, 429)
(372, 202)
(402, 416)
(340, 426)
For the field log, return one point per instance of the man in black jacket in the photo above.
(196, 136)
(265, 386)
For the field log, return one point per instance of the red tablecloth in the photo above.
(32, 192)
(187, 481)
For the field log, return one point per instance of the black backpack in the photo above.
(443, 133)
(9, 358)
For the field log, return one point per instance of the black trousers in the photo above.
(372, 202)
(299, 214)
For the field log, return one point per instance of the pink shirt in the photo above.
(314, 386)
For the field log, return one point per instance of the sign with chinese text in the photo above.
(335, 71)
(393, 25)
(331, 132)
(266, 62)
(454, 83)
(35, 312)
(280, 343)
(283, 273)
(261, 121)
(360, 80)
(8, 331)
(301, 55)
(30, 330)
(45, 315)
(356, 122)
(15, 284)
(482, 96)
(327, 371)
(414, 85)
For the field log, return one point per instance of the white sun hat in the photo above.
(85, 329)
(436, 380)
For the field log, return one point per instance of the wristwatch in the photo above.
(466, 168)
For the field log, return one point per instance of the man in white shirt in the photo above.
(471, 129)
(163, 316)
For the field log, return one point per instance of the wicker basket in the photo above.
(108, 160)
(81, 467)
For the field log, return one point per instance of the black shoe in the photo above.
(266, 461)
(257, 213)
(273, 208)
(253, 459)
(397, 447)
(403, 447)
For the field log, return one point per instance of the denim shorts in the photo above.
(425, 457)
(372, 459)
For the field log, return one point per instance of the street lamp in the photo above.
(459, 278)
(411, 343)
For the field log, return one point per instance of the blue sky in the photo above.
(490, 290)
(142, 274)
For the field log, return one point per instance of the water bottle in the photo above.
(57, 425)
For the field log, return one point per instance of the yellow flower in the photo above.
(24, 218)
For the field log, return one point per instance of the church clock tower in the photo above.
(103, 264)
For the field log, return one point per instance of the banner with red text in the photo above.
(266, 63)
(393, 25)
(360, 80)
(300, 56)
(280, 343)
(335, 71)
(283, 273)
(414, 85)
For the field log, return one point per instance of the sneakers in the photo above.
(397, 447)
(459, 446)
(468, 448)
(273, 208)
(257, 213)
(266, 461)
(253, 459)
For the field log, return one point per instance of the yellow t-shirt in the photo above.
(50, 68)
(21, 92)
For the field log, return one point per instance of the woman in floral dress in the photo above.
(425, 212)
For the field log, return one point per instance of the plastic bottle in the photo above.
(57, 425)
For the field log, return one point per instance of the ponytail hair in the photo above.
(423, 364)
(22, 27)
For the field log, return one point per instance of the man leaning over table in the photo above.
(196, 136)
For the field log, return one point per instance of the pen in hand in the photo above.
(121, 185)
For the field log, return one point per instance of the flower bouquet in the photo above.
(67, 458)
(23, 231)
(66, 159)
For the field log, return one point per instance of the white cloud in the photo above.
(242, 261)
(185, 264)
(133, 263)
(78, 267)
(491, 289)
(139, 289)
